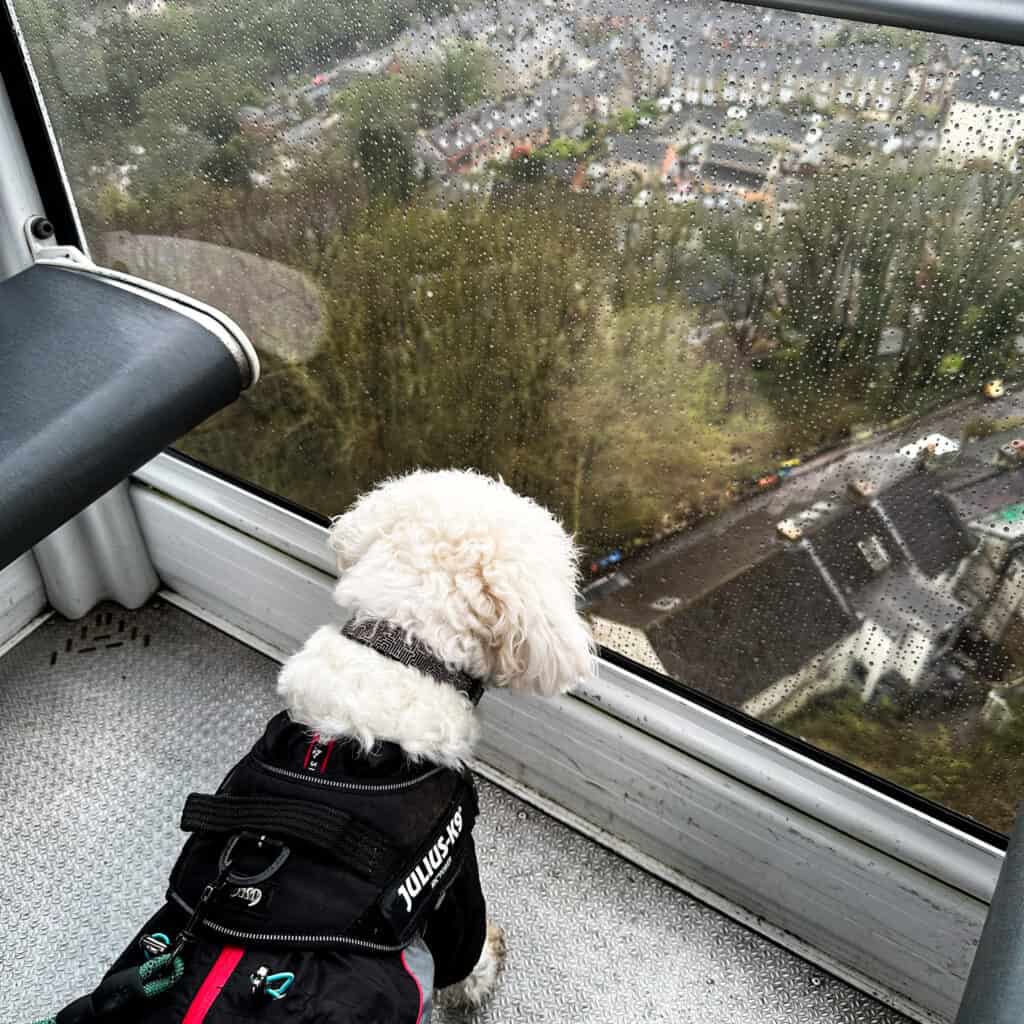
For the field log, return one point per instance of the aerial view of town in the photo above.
(736, 291)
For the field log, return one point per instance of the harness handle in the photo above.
(338, 834)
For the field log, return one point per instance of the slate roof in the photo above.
(746, 158)
(752, 610)
(900, 603)
(992, 87)
(926, 522)
(987, 495)
(730, 177)
(775, 125)
(835, 543)
(742, 638)
(638, 149)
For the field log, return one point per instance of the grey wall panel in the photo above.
(240, 509)
(248, 584)
(870, 914)
(848, 805)
(22, 596)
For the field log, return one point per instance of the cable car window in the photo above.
(735, 290)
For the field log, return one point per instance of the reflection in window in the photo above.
(737, 291)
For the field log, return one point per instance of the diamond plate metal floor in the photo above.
(107, 723)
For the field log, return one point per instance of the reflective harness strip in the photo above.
(213, 984)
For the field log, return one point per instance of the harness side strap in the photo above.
(353, 843)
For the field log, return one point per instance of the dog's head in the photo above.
(483, 576)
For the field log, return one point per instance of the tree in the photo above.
(386, 159)
(650, 443)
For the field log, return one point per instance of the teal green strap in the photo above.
(155, 979)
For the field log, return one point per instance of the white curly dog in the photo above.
(487, 580)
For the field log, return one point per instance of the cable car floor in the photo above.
(106, 724)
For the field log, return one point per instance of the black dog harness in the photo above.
(309, 859)
(312, 846)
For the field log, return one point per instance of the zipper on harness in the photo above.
(297, 940)
(354, 787)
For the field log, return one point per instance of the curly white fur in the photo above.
(484, 577)
(477, 988)
(339, 687)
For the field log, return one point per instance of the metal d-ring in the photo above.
(261, 841)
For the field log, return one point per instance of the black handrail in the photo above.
(995, 987)
(1000, 21)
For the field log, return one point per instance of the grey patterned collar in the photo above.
(394, 643)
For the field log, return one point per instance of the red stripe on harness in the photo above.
(213, 983)
(309, 750)
(327, 756)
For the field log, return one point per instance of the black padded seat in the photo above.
(95, 380)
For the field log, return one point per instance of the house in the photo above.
(564, 106)
(697, 73)
(773, 128)
(637, 158)
(992, 580)
(864, 600)
(534, 55)
(655, 57)
(691, 127)
(737, 170)
(928, 84)
(761, 626)
(490, 131)
(605, 89)
(141, 8)
(613, 14)
(871, 78)
(985, 117)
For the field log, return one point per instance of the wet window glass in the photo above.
(735, 291)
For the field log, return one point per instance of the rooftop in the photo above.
(737, 157)
(636, 148)
(757, 639)
(993, 87)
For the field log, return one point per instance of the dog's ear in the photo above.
(543, 645)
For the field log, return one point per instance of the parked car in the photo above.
(768, 481)
(994, 389)
(862, 489)
(930, 446)
(789, 529)
(1012, 454)
(791, 463)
